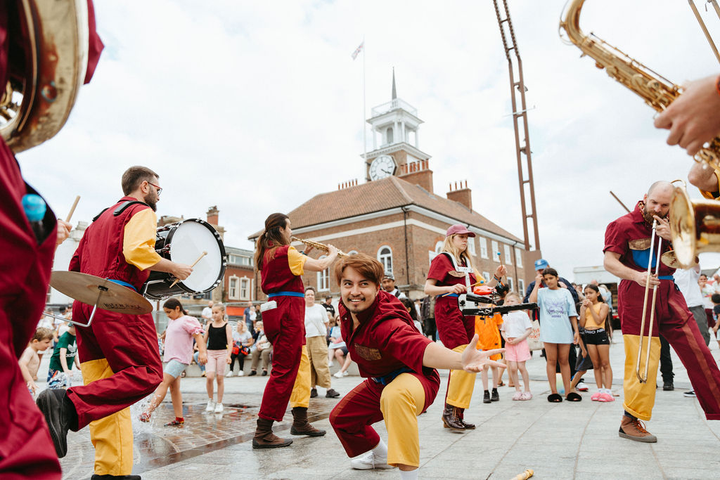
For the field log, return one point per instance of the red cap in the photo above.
(459, 230)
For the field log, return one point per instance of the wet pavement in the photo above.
(558, 441)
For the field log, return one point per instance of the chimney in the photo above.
(213, 215)
(348, 184)
(461, 194)
(418, 173)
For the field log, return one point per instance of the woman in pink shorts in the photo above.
(219, 341)
(515, 329)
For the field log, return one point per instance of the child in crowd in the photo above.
(261, 349)
(243, 340)
(593, 316)
(30, 360)
(716, 313)
(178, 338)
(516, 328)
(63, 357)
(489, 339)
(219, 341)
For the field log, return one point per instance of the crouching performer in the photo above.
(399, 365)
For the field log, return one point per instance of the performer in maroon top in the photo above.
(26, 449)
(627, 251)
(281, 267)
(399, 363)
(452, 273)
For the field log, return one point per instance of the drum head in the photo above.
(189, 240)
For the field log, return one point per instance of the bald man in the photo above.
(627, 254)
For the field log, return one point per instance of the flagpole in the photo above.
(364, 108)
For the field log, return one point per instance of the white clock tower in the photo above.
(396, 125)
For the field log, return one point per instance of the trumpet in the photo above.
(318, 245)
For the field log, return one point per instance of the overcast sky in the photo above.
(257, 106)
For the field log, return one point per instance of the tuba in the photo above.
(47, 60)
(657, 91)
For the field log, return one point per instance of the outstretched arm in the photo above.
(471, 360)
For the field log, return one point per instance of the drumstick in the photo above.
(194, 263)
(72, 210)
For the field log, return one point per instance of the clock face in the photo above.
(382, 167)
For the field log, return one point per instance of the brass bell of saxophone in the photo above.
(43, 78)
(694, 227)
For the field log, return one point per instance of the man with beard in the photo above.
(627, 254)
(399, 365)
(118, 352)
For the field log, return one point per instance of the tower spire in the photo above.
(394, 90)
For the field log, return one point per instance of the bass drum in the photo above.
(184, 242)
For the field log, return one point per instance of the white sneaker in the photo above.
(219, 408)
(368, 461)
(338, 374)
(229, 374)
(210, 406)
(346, 373)
(582, 387)
(241, 373)
(330, 364)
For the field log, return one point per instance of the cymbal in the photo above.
(93, 290)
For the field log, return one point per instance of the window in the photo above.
(233, 292)
(244, 288)
(389, 135)
(486, 275)
(521, 287)
(496, 251)
(323, 279)
(518, 257)
(384, 256)
(471, 246)
(511, 283)
(508, 255)
(483, 247)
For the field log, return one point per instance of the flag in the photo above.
(358, 50)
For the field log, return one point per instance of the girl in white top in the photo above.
(515, 329)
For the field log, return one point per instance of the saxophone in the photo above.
(657, 91)
(46, 67)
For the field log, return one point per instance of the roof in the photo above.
(391, 192)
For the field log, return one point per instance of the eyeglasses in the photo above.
(159, 190)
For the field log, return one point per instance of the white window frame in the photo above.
(511, 283)
(386, 260)
(486, 276)
(483, 247)
(508, 255)
(518, 257)
(234, 288)
(245, 285)
(323, 278)
(521, 287)
(495, 251)
(471, 246)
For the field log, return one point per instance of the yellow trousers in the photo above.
(300, 396)
(640, 397)
(318, 354)
(460, 385)
(111, 436)
(401, 402)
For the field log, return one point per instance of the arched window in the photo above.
(389, 135)
(384, 256)
(323, 279)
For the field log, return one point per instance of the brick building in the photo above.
(396, 216)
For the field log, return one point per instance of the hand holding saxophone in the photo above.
(694, 117)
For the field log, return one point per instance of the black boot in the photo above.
(301, 426)
(486, 397)
(60, 416)
(460, 414)
(450, 419)
(494, 397)
(265, 438)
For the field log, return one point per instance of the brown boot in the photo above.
(460, 414)
(265, 438)
(450, 419)
(301, 426)
(633, 429)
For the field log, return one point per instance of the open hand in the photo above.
(474, 360)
